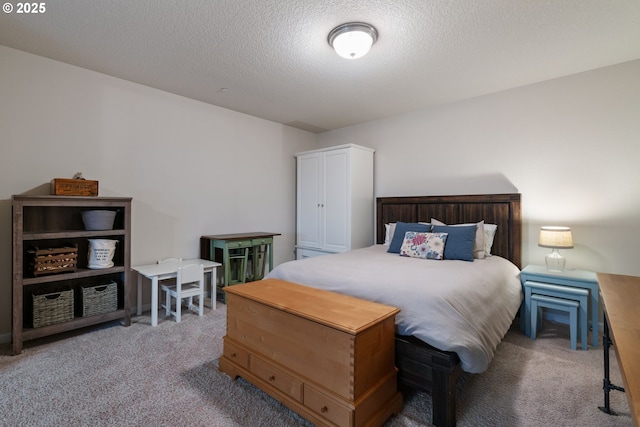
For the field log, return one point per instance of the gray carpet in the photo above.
(167, 376)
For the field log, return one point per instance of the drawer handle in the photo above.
(324, 409)
(272, 378)
(233, 355)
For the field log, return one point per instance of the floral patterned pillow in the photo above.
(423, 245)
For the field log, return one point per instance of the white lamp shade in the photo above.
(352, 45)
(555, 237)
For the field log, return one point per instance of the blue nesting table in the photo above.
(571, 278)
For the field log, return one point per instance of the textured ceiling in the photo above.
(270, 58)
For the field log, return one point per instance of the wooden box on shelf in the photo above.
(52, 260)
(74, 187)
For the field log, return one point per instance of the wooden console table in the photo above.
(327, 356)
(217, 247)
(621, 299)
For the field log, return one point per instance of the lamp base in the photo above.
(555, 261)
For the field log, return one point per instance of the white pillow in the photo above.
(489, 234)
(389, 230)
(478, 246)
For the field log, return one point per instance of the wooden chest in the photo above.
(327, 356)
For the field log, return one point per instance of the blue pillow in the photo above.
(403, 227)
(459, 242)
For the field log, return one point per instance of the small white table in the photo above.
(169, 270)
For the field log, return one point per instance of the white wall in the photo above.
(192, 168)
(571, 146)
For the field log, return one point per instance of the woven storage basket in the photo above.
(99, 299)
(54, 307)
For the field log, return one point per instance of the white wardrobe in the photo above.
(335, 203)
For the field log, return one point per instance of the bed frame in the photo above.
(422, 366)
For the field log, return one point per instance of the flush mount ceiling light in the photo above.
(353, 39)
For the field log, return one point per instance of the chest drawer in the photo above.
(309, 253)
(262, 241)
(236, 354)
(235, 244)
(327, 407)
(276, 377)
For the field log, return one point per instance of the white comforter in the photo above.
(460, 306)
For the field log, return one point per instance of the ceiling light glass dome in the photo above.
(353, 39)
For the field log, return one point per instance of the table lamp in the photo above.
(556, 238)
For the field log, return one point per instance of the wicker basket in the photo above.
(99, 299)
(51, 308)
(52, 260)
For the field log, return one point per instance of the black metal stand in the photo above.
(606, 384)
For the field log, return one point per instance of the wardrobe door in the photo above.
(335, 211)
(308, 201)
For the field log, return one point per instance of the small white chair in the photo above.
(166, 281)
(189, 284)
(161, 261)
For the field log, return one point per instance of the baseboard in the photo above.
(146, 308)
(5, 338)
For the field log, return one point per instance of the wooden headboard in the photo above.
(500, 209)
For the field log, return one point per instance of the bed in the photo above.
(427, 357)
